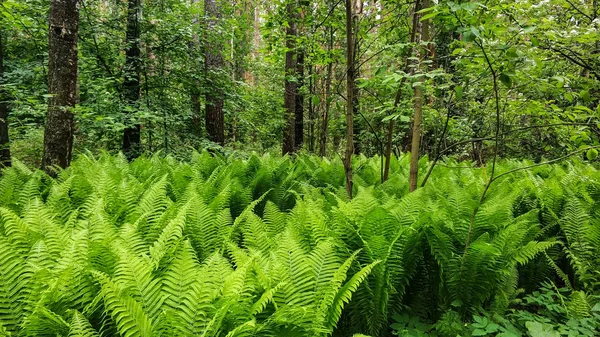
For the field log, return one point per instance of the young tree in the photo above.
(131, 84)
(195, 85)
(418, 116)
(213, 62)
(62, 83)
(350, 67)
(4, 141)
(291, 88)
(325, 119)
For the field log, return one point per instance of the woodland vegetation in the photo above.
(299, 168)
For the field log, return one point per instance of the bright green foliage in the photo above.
(273, 247)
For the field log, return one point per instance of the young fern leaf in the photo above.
(128, 315)
(265, 299)
(81, 327)
(344, 295)
(170, 234)
(531, 249)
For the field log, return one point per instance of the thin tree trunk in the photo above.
(62, 84)
(356, 74)
(131, 84)
(289, 98)
(195, 87)
(213, 60)
(299, 108)
(349, 95)
(325, 120)
(418, 114)
(4, 141)
(311, 109)
(391, 125)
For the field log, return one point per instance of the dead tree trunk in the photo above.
(62, 84)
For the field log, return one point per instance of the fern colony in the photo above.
(271, 247)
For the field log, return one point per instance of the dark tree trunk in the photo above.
(131, 84)
(311, 109)
(289, 98)
(62, 84)
(350, 67)
(299, 115)
(4, 142)
(213, 61)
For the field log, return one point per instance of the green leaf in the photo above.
(458, 91)
(478, 332)
(592, 154)
(506, 80)
(429, 16)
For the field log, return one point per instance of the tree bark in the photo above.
(299, 108)
(325, 120)
(62, 84)
(4, 141)
(289, 98)
(196, 122)
(213, 61)
(349, 95)
(418, 114)
(131, 83)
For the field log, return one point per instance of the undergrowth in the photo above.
(273, 247)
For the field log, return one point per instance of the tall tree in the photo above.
(407, 69)
(131, 84)
(350, 67)
(195, 85)
(325, 119)
(213, 62)
(4, 141)
(418, 111)
(299, 108)
(289, 98)
(63, 25)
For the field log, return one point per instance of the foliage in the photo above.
(221, 246)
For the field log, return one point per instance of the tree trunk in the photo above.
(62, 84)
(325, 120)
(213, 61)
(194, 46)
(4, 141)
(131, 84)
(289, 98)
(357, 127)
(299, 108)
(311, 109)
(418, 114)
(349, 95)
(407, 69)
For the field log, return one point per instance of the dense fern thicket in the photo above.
(273, 247)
